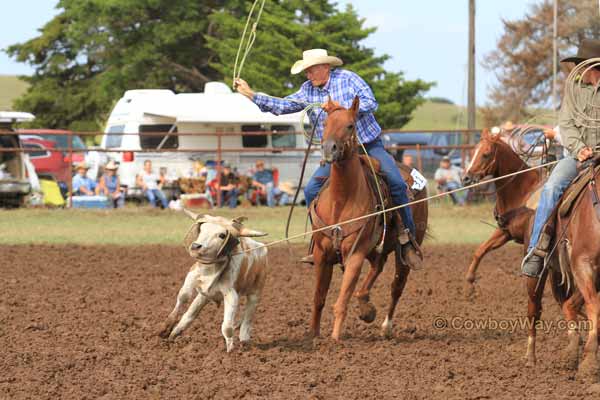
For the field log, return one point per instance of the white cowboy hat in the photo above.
(81, 165)
(111, 165)
(314, 57)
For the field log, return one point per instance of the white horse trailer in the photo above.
(216, 110)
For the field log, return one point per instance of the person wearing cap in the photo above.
(82, 185)
(579, 142)
(110, 186)
(264, 181)
(448, 178)
(325, 81)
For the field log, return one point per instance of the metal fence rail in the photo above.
(218, 150)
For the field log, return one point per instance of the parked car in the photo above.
(49, 163)
(430, 158)
(14, 185)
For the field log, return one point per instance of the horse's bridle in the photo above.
(350, 143)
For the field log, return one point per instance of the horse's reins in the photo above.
(529, 154)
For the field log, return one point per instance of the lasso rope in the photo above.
(301, 235)
(586, 113)
(248, 39)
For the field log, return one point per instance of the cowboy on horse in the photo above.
(341, 86)
(580, 142)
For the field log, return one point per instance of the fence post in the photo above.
(219, 169)
(70, 183)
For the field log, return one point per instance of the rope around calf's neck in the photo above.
(301, 235)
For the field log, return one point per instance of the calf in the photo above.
(222, 272)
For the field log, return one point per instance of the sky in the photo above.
(426, 39)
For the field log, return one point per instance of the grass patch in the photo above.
(11, 87)
(136, 226)
(430, 115)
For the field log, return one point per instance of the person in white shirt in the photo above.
(151, 184)
(447, 177)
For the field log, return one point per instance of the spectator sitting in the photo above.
(110, 185)
(228, 187)
(407, 160)
(264, 182)
(151, 184)
(82, 185)
(447, 177)
(198, 170)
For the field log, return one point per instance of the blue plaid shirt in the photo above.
(342, 86)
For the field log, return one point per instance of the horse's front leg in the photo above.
(367, 310)
(498, 239)
(323, 273)
(351, 275)
(534, 313)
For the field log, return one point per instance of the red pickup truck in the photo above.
(56, 164)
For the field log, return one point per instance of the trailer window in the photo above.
(254, 140)
(285, 139)
(153, 141)
(113, 137)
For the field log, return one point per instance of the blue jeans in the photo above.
(230, 197)
(397, 185)
(272, 194)
(560, 178)
(153, 194)
(450, 186)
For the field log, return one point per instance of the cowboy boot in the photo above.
(309, 259)
(411, 252)
(533, 262)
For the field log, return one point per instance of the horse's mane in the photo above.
(505, 147)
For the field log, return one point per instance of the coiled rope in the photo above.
(586, 113)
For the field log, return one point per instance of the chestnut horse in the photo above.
(348, 195)
(574, 262)
(495, 158)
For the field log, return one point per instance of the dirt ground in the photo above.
(80, 323)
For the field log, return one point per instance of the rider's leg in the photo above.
(397, 185)
(310, 192)
(560, 178)
(315, 183)
(410, 249)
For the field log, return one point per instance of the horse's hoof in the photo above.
(571, 357)
(470, 278)
(165, 331)
(469, 290)
(589, 370)
(530, 361)
(367, 312)
(386, 329)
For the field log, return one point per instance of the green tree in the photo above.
(94, 50)
(523, 60)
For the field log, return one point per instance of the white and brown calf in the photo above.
(221, 273)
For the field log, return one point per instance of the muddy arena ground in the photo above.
(80, 323)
